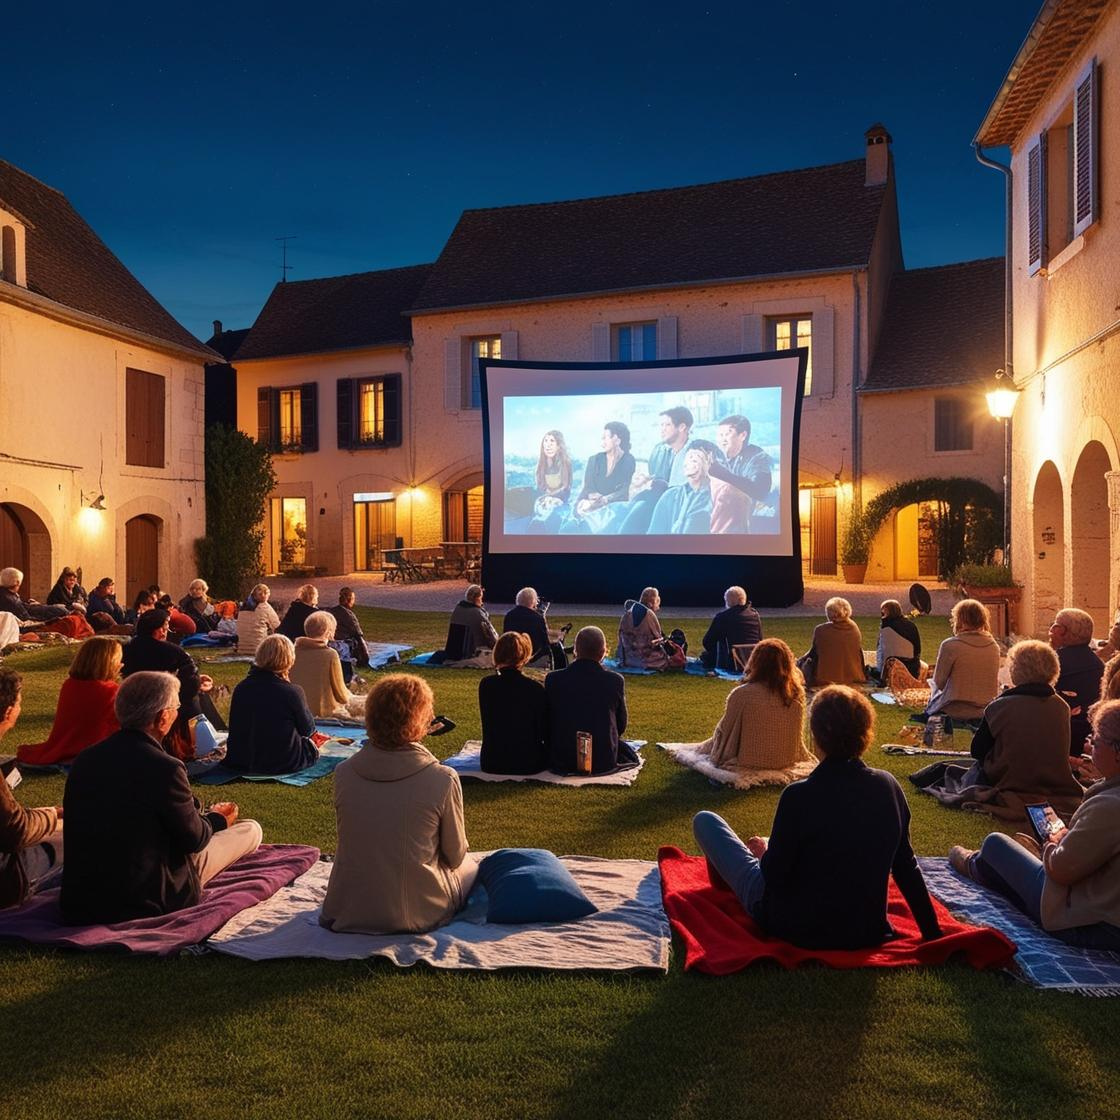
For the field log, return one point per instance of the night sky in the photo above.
(191, 136)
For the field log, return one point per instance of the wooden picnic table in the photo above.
(461, 558)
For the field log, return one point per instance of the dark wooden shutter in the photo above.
(393, 418)
(145, 445)
(1085, 201)
(1036, 205)
(822, 532)
(309, 417)
(264, 417)
(157, 388)
(346, 412)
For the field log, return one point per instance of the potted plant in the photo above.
(987, 583)
(855, 548)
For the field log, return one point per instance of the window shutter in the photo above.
(600, 342)
(1036, 206)
(309, 417)
(453, 374)
(157, 389)
(264, 417)
(752, 334)
(667, 336)
(1085, 109)
(345, 411)
(823, 344)
(393, 418)
(509, 344)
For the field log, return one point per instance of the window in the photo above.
(288, 418)
(490, 346)
(952, 425)
(8, 270)
(789, 334)
(369, 412)
(633, 342)
(144, 418)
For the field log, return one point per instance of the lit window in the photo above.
(789, 334)
(489, 346)
(634, 342)
(371, 411)
(290, 414)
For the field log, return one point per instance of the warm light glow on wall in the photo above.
(804, 501)
(91, 519)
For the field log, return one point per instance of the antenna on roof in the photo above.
(285, 268)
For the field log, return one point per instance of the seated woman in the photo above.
(1021, 749)
(401, 864)
(349, 629)
(514, 719)
(1073, 891)
(640, 641)
(299, 610)
(196, 606)
(84, 714)
(318, 670)
(837, 838)
(966, 673)
(68, 592)
(255, 620)
(899, 640)
(270, 724)
(836, 655)
(763, 725)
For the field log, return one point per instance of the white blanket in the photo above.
(467, 764)
(630, 931)
(689, 754)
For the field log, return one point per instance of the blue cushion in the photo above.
(531, 885)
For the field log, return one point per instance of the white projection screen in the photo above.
(602, 471)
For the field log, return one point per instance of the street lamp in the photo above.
(1001, 404)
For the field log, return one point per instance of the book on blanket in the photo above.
(11, 772)
(1044, 822)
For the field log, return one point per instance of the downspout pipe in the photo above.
(857, 458)
(1008, 310)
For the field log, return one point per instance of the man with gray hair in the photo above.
(737, 625)
(138, 843)
(470, 634)
(1079, 682)
(31, 610)
(527, 618)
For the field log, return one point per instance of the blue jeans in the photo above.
(728, 855)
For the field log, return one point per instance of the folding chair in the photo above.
(740, 655)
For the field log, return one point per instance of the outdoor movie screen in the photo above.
(681, 458)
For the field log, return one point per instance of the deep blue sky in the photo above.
(191, 136)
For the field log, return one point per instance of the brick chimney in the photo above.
(878, 156)
(218, 322)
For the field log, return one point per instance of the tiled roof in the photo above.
(1057, 33)
(68, 263)
(941, 326)
(812, 220)
(227, 342)
(335, 313)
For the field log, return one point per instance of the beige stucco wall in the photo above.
(62, 427)
(1069, 400)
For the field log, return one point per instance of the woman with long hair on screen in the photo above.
(606, 479)
(554, 483)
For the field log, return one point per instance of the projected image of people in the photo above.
(669, 463)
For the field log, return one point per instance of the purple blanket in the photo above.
(250, 880)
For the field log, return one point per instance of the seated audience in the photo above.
(103, 600)
(836, 655)
(179, 625)
(514, 718)
(738, 624)
(140, 844)
(270, 724)
(255, 620)
(402, 862)
(1110, 682)
(30, 839)
(966, 673)
(763, 724)
(1079, 681)
(587, 697)
(526, 618)
(1108, 649)
(318, 670)
(197, 607)
(899, 640)
(84, 714)
(144, 601)
(1073, 891)
(470, 632)
(68, 592)
(348, 628)
(299, 610)
(40, 616)
(838, 836)
(641, 644)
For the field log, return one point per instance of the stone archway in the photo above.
(1048, 547)
(1089, 528)
(25, 543)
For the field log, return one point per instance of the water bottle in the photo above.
(583, 752)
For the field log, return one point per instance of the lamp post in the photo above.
(1001, 404)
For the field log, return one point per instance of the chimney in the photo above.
(878, 156)
(218, 322)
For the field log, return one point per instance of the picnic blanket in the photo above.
(690, 755)
(1042, 960)
(720, 938)
(334, 751)
(629, 932)
(249, 881)
(467, 764)
(694, 668)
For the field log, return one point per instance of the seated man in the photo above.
(1079, 682)
(687, 508)
(741, 476)
(31, 610)
(641, 645)
(469, 630)
(737, 625)
(526, 618)
(349, 629)
(153, 852)
(586, 697)
(30, 839)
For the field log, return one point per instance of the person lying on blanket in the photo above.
(1073, 890)
(837, 837)
(140, 845)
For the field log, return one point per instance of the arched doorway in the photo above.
(141, 552)
(915, 541)
(26, 544)
(1049, 547)
(1089, 524)
(462, 509)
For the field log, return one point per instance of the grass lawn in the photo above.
(106, 1036)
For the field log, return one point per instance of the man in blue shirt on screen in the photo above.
(742, 476)
(666, 460)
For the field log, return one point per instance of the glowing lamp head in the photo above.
(1003, 398)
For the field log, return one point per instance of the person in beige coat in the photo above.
(836, 655)
(966, 674)
(255, 620)
(318, 670)
(402, 864)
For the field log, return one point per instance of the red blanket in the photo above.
(720, 938)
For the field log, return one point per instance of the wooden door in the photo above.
(141, 549)
(822, 530)
(13, 547)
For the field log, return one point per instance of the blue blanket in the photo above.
(332, 753)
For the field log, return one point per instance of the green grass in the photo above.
(102, 1036)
